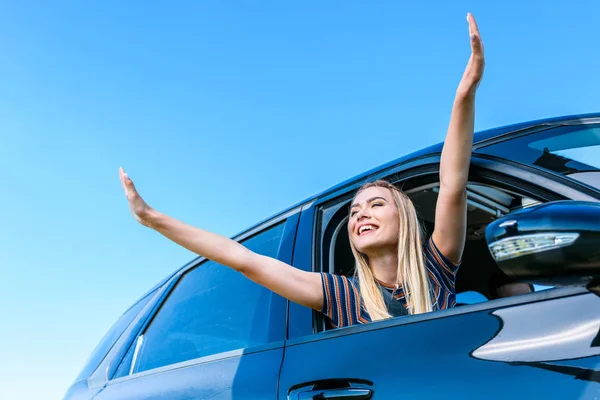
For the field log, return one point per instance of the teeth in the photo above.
(366, 228)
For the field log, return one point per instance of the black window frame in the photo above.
(496, 172)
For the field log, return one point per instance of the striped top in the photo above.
(342, 304)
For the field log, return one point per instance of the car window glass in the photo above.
(470, 297)
(212, 309)
(573, 151)
(111, 337)
(125, 366)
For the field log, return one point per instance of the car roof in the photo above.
(431, 150)
(436, 149)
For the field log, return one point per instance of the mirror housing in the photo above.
(555, 244)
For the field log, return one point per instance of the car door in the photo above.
(217, 334)
(539, 345)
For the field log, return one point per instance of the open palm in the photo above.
(474, 70)
(137, 205)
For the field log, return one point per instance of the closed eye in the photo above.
(376, 204)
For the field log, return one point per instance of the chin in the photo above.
(368, 246)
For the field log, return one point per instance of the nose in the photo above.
(362, 214)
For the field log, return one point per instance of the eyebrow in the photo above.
(369, 201)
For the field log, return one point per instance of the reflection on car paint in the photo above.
(540, 334)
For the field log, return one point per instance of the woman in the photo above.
(397, 273)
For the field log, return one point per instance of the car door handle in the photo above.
(338, 389)
(339, 394)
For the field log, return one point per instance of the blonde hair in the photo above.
(411, 272)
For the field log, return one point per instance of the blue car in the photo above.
(526, 324)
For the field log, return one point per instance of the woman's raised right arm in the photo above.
(299, 286)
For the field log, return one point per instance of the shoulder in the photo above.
(434, 257)
(341, 301)
(338, 282)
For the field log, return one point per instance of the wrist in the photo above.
(151, 218)
(466, 94)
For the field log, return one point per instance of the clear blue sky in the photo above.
(224, 113)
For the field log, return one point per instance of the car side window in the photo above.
(470, 297)
(479, 279)
(212, 309)
(570, 150)
(111, 337)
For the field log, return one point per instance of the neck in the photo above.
(385, 266)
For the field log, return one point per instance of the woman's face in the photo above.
(373, 222)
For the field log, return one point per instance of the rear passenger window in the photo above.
(111, 337)
(213, 309)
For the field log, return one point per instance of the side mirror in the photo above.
(556, 243)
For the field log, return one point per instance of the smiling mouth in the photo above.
(366, 229)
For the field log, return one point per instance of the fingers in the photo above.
(127, 183)
(476, 43)
(137, 205)
(474, 70)
(473, 28)
(122, 176)
(124, 180)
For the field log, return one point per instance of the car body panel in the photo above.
(462, 355)
(241, 376)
